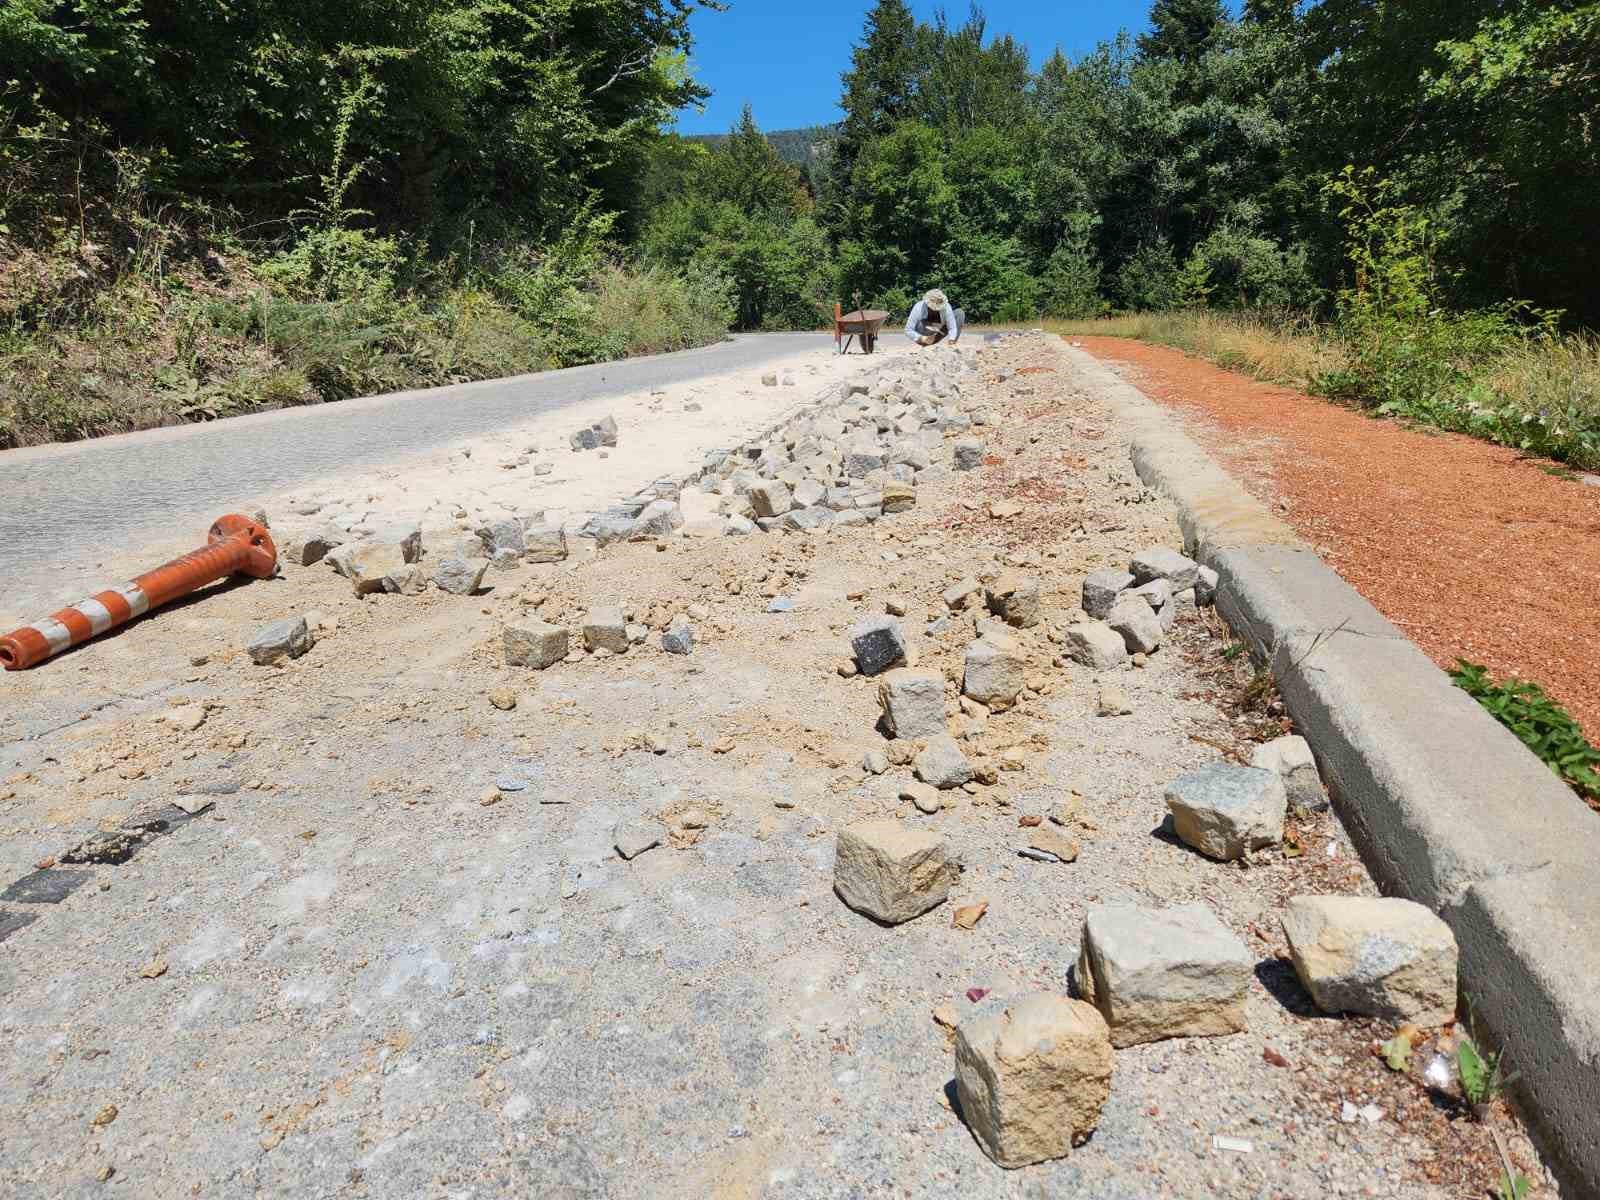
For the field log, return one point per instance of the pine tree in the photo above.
(1182, 30)
(1269, 12)
(880, 88)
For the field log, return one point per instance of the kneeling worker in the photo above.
(932, 320)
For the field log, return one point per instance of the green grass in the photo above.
(1540, 723)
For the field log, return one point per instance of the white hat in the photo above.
(936, 299)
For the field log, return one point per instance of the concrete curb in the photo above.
(1446, 806)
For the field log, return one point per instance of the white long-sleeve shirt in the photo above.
(915, 323)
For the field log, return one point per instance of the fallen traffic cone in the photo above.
(236, 546)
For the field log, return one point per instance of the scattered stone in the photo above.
(898, 496)
(891, 873)
(1101, 590)
(458, 576)
(994, 672)
(187, 717)
(875, 762)
(901, 752)
(105, 1116)
(584, 439)
(896, 606)
(1290, 758)
(1157, 594)
(1114, 700)
(546, 543)
(1057, 845)
(288, 638)
(1163, 973)
(1096, 645)
(1161, 563)
(1001, 509)
(968, 915)
(314, 547)
(1381, 957)
(942, 765)
(678, 636)
(694, 818)
(963, 594)
(659, 518)
(503, 698)
(1205, 587)
(605, 628)
(1015, 600)
(1139, 626)
(737, 526)
(606, 430)
(781, 604)
(924, 797)
(1033, 1076)
(769, 379)
(1225, 811)
(535, 644)
(913, 703)
(771, 498)
(154, 969)
(967, 454)
(503, 541)
(878, 644)
(633, 838)
(371, 566)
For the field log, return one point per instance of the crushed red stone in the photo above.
(1474, 550)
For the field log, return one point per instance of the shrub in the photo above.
(986, 276)
(1232, 268)
(1148, 280)
(1070, 286)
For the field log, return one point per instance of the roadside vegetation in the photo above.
(204, 212)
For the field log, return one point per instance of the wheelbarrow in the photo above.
(863, 323)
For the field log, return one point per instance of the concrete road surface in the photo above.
(64, 507)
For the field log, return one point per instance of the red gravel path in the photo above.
(1473, 550)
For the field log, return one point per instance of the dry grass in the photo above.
(1294, 354)
(1560, 375)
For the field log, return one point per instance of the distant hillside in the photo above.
(797, 146)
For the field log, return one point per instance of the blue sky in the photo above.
(785, 56)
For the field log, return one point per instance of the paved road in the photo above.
(62, 506)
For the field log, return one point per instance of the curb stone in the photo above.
(1447, 807)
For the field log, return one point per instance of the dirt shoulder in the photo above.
(1473, 550)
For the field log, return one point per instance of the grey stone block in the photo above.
(1378, 956)
(534, 644)
(1096, 645)
(1161, 563)
(286, 638)
(913, 703)
(1159, 973)
(1225, 811)
(890, 872)
(1101, 590)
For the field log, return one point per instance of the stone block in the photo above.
(535, 644)
(1015, 600)
(1138, 624)
(1032, 1076)
(890, 872)
(678, 636)
(1290, 758)
(913, 703)
(994, 672)
(605, 628)
(878, 645)
(288, 638)
(770, 498)
(1101, 590)
(1161, 563)
(1381, 957)
(1096, 645)
(942, 765)
(1223, 811)
(1163, 973)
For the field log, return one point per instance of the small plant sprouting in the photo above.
(1482, 1072)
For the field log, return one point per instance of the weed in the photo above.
(1542, 725)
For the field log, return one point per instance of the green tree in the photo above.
(1182, 30)
(880, 88)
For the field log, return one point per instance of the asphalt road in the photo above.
(64, 507)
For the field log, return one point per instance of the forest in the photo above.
(206, 208)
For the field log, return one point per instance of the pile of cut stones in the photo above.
(857, 456)
(1033, 1071)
